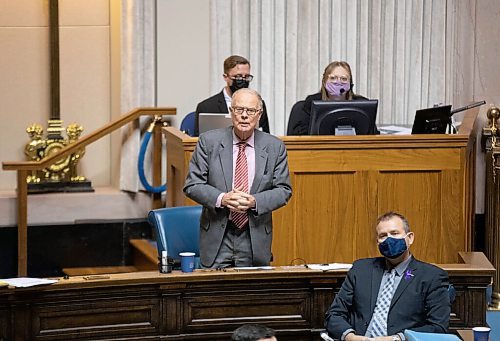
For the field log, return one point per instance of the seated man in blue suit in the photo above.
(383, 296)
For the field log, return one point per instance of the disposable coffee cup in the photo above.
(187, 261)
(481, 333)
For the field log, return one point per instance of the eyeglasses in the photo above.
(240, 110)
(341, 79)
(247, 78)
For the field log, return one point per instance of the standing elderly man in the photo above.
(240, 176)
(381, 297)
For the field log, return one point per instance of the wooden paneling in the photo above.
(204, 305)
(4, 325)
(342, 184)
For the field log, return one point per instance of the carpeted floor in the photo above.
(493, 318)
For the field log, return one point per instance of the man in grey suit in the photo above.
(236, 221)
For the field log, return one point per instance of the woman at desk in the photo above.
(336, 85)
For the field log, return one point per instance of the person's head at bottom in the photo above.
(253, 332)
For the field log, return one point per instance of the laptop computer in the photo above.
(210, 121)
(432, 120)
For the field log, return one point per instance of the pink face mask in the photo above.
(337, 89)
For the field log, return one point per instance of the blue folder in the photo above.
(419, 336)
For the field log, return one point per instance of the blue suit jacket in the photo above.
(420, 302)
(211, 173)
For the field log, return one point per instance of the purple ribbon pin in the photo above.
(408, 275)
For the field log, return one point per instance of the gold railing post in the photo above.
(492, 199)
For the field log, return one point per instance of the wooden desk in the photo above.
(204, 305)
(341, 184)
(467, 334)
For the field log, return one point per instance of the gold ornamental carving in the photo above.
(62, 174)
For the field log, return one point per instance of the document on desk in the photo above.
(25, 282)
(251, 268)
(394, 130)
(330, 266)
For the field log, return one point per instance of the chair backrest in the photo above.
(297, 115)
(187, 124)
(177, 229)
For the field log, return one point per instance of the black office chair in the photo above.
(177, 230)
(297, 115)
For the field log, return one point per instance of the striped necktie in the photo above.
(379, 325)
(241, 183)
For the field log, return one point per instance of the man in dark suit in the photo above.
(237, 76)
(240, 176)
(416, 293)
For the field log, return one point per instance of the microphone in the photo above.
(467, 107)
(342, 90)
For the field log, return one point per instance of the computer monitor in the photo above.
(343, 117)
(210, 121)
(432, 120)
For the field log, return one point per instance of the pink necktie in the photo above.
(241, 183)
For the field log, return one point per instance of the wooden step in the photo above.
(144, 254)
(98, 270)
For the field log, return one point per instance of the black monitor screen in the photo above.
(329, 117)
(432, 120)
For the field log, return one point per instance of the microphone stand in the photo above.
(453, 130)
(467, 107)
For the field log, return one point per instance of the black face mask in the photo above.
(239, 84)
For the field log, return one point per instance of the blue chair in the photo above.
(177, 230)
(187, 124)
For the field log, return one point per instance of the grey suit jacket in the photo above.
(211, 173)
(420, 303)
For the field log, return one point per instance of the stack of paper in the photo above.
(394, 130)
(25, 282)
(331, 266)
(251, 268)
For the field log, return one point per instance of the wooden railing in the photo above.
(23, 167)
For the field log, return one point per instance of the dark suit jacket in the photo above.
(217, 103)
(420, 303)
(211, 173)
